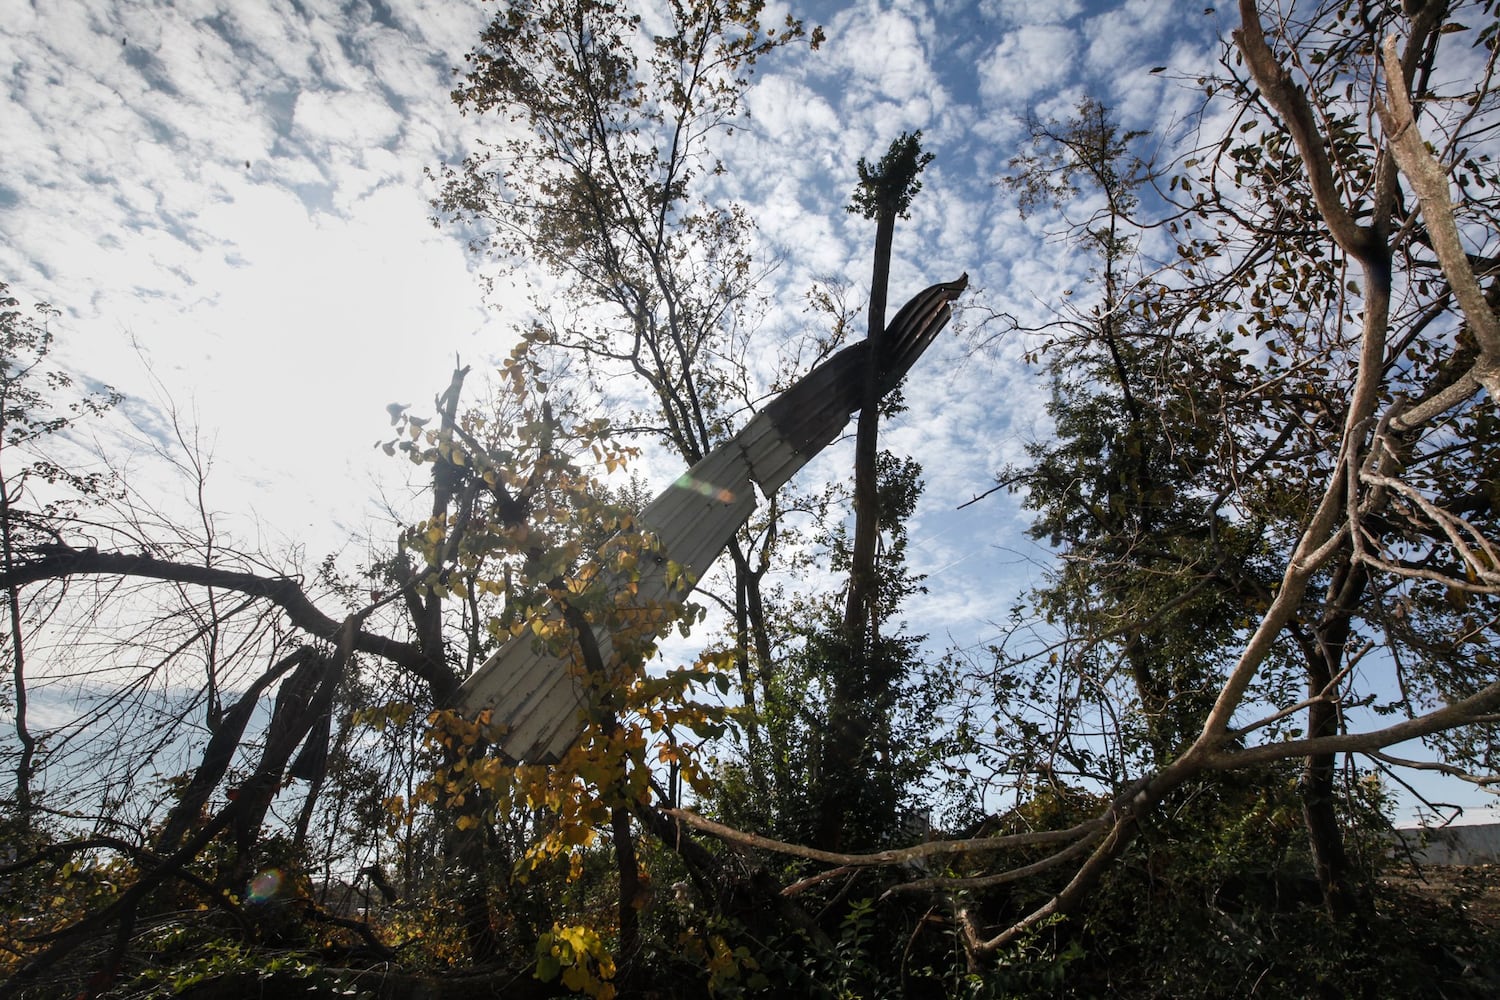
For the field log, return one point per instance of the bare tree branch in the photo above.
(284, 592)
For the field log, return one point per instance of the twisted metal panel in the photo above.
(536, 705)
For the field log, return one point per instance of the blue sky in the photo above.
(227, 201)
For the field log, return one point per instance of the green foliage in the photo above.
(185, 957)
(602, 188)
(1156, 578)
(847, 735)
(1158, 582)
(1219, 898)
(35, 403)
(579, 958)
(857, 972)
(888, 187)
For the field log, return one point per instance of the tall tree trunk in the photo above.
(630, 887)
(848, 731)
(1324, 835)
(26, 762)
(1325, 658)
(859, 693)
(857, 616)
(749, 626)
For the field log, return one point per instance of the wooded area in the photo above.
(1271, 493)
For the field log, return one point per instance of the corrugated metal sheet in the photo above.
(535, 703)
(812, 413)
(697, 515)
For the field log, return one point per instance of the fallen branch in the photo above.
(945, 884)
(895, 856)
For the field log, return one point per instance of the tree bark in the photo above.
(857, 614)
(25, 762)
(630, 887)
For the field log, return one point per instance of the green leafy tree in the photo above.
(607, 187)
(1326, 332)
(851, 734)
(1150, 573)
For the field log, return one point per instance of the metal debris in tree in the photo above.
(535, 703)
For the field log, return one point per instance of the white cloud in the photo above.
(341, 117)
(1019, 12)
(1032, 60)
(879, 62)
(1118, 39)
(792, 110)
(284, 303)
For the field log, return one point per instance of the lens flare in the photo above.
(264, 886)
(719, 493)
